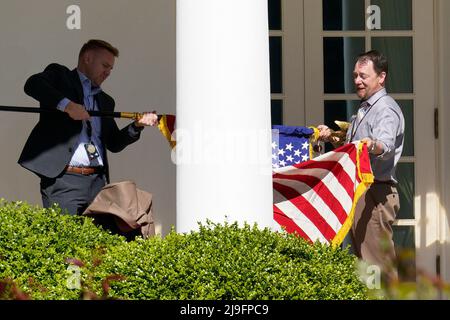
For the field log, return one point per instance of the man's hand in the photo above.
(336, 138)
(324, 133)
(373, 146)
(147, 119)
(77, 111)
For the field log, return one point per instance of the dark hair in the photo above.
(94, 44)
(379, 60)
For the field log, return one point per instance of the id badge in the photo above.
(91, 151)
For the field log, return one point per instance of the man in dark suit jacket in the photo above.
(67, 149)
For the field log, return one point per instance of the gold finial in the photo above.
(338, 137)
(131, 115)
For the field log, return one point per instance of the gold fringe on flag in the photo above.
(167, 125)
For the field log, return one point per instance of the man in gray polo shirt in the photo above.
(379, 122)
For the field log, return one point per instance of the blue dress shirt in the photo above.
(80, 157)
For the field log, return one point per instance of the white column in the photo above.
(223, 113)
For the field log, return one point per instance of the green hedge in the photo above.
(217, 262)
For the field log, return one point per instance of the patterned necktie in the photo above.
(363, 107)
(93, 162)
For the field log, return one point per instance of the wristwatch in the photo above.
(372, 148)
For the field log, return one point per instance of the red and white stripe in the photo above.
(315, 198)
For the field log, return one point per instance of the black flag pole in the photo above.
(127, 115)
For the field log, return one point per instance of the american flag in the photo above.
(290, 145)
(317, 198)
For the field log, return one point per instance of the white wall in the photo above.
(34, 34)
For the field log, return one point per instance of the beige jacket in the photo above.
(130, 206)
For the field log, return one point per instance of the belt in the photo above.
(84, 170)
(390, 182)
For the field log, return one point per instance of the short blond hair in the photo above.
(95, 44)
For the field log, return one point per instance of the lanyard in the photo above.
(355, 128)
(89, 129)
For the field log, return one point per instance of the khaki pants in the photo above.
(372, 227)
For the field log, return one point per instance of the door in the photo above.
(335, 31)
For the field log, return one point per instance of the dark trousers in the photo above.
(73, 192)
